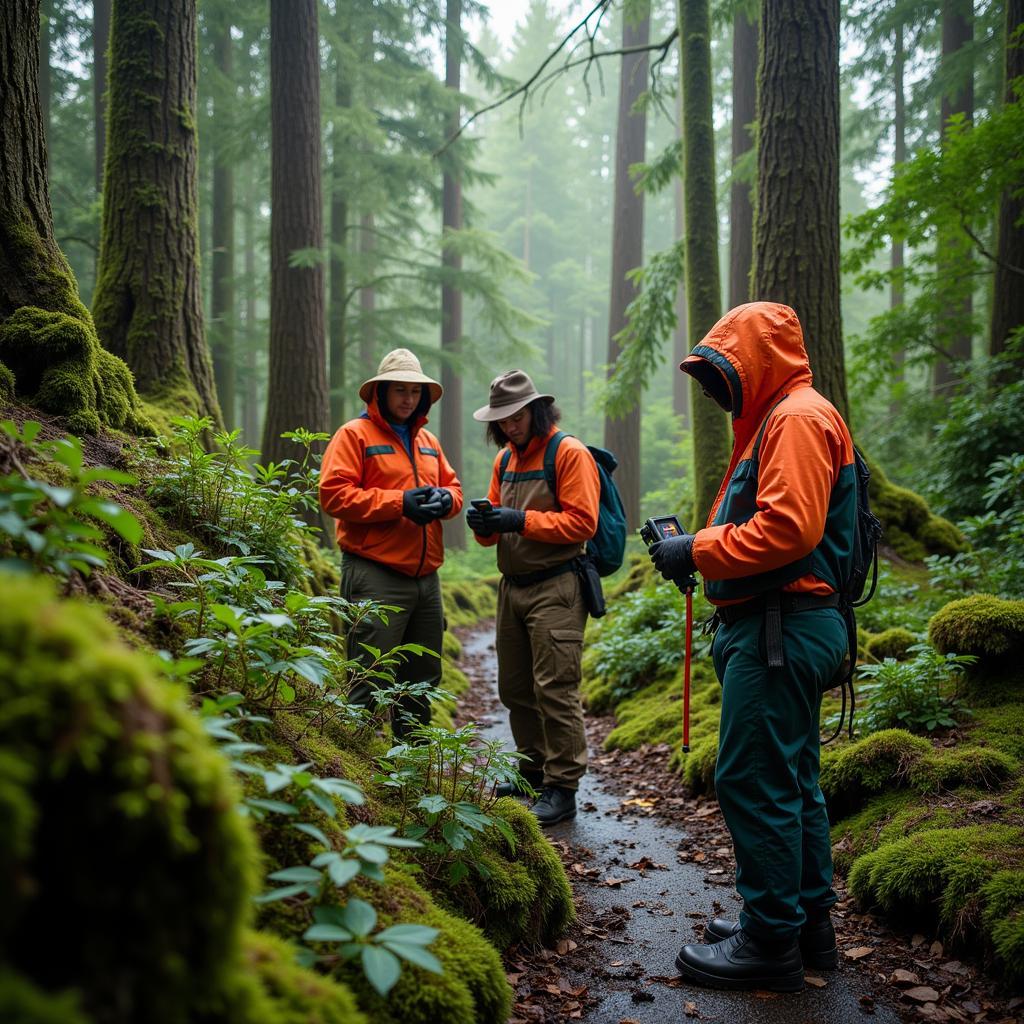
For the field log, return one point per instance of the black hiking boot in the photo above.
(532, 779)
(742, 962)
(817, 940)
(555, 804)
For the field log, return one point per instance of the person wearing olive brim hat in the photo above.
(540, 536)
(386, 481)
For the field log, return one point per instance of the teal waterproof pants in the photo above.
(768, 762)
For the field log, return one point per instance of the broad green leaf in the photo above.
(296, 874)
(410, 934)
(286, 892)
(326, 933)
(382, 968)
(360, 917)
(274, 806)
(312, 830)
(342, 871)
(372, 853)
(415, 955)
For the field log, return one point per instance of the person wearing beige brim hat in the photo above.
(386, 481)
(540, 535)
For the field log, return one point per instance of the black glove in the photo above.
(475, 519)
(412, 505)
(445, 497)
(673, 558)
(502, 519)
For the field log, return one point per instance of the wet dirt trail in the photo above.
(649, 865)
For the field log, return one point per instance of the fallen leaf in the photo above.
(867, 1004)
(936, 948)
(629, 1020)
(859, 952)
(614, 883)
(917, 939)
(616, 963)
(922, 994)
(902, 977)
(690, 1009)
(564, 946)
(815, 981)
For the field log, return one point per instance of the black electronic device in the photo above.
(482, 504)
(660, 528)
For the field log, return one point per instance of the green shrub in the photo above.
(894, 643)
(21, 1002)
(985, 626)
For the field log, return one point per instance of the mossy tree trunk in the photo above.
(744, 110)
(222, 262)
(451, 260)
(148, 303)
(796, 236)
(703, 283)
(100, 42)
(1008, 296)
(337, 312)
(49, 352)
(297, 386)
(622, 435)
(250, 380)
(955, 336)
(680, 336)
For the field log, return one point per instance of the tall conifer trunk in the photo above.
(957, 32)
(703, 283)
(680, 336)
(148, 303)
(222, 262)
(100, 42)
(250, 387)
(744, 110)
(338, 308)
(622, 436)
(1008, 295)
(451, 296)
(45, 78)
(297, 388)
(796, 238)
(367, 299)
(899, 156)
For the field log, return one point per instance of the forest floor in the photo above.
(649, 864)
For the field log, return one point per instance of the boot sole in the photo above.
(774, 983)
(820, 961)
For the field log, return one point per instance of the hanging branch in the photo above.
(538, 79)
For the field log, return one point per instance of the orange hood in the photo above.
(759, 350)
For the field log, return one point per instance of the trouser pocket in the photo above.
(566, 651)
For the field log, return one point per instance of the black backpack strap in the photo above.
(506, 455)
(755, 453)
(549, 459)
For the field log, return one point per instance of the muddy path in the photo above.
(649, 865)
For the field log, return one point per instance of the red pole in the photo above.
(686, 670)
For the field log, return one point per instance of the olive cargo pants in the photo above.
(420, 621)
(768, 762)
(539, 640)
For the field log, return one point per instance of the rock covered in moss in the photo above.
(986, 626)
(57, 364)
(849, 775)
(115, 807)
(891, 643)
(945, 769)
(970, 879)
(909, 526)
(6, 383)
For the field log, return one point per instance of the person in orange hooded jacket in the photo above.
(774, 556)
(386, 481)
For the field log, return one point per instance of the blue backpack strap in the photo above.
(506, 455)
(549, 459)
(755, 453)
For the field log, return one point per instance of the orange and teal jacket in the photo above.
(365, 472)
(786, 519)
(556, 529)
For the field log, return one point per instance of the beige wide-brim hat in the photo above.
(400, 365)
(509, 393)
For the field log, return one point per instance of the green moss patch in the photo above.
(466, 601)
(986, 626)
(891, 643)
(21, 1002)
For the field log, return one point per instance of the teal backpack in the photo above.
(607, 547)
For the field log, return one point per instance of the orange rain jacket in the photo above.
(556, 530)
(364, 475)
(759, 349)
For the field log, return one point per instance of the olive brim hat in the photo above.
(400, 365)
(510, 392)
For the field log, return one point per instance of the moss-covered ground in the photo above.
(100, 755)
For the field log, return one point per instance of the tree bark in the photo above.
(338, 309)
(367, 300)
(100, 42)
(957, 32)
(703, 283)
(1008, 294)
(622, 436)
(451, 295)
(222, 263)
(250, 387)
(796, 237)
(680, 337)
(45, 80)
(148, 304)
(744, 111)
(899, 156)
(297, 388)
